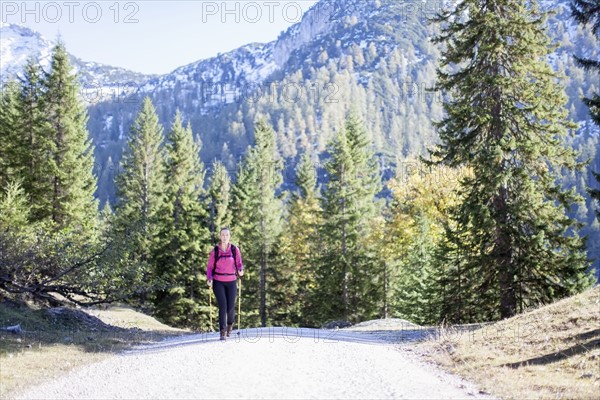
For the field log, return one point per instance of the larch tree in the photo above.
(415, 227)
(299, 246)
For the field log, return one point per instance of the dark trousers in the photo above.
(225, 292)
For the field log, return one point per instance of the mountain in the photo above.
(18, 43)
(371, 56)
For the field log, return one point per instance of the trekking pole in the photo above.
(210, 309)
(239, 305)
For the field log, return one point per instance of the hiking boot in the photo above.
(223, 335)
(229, 329)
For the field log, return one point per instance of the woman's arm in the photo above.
(239, 263)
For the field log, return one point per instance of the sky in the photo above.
(155, 36)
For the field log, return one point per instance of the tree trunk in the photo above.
(502, 243)
(503, 257)
(263, 289)
(385, 291)
(345, 277)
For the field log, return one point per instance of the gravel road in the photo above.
(273, 363)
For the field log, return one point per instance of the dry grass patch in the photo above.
(548, 353)
(56, 340)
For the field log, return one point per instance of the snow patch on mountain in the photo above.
(17, 44)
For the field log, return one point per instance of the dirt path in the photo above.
(270, 363)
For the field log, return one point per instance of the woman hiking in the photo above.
(224, 266)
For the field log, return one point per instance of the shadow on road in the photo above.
(294, 335)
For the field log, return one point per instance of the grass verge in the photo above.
(54, 341)
(552, 352)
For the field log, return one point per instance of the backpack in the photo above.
(233, 254)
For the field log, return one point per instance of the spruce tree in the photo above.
(71, 152)
(338, 232)
(119, 274)
(16, 242)
(183, 237)
(9, 133)
(367, 269)
(348, 272)
(14, 210)
(507, 121)
(257, 214)
(105, 219)
(35, 143)
(41, 263)
(267, 167)
(414, 300)
(140, 191)
(588, 12)
(27, 140)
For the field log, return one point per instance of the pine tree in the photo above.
(588, 12)
(105, 219)
(219, 198)
(348, 273)
(49, 152)
(257, 215)
(337, 232)
(182, 237)
(118, 274)
(267, 166)
(9, 133)
(367, 269)
(15, 237)
(71, 152)
(27, 140)
(414, 300)
(40, 262)
(14, 209)
(507, 121)
(35, 143)
(140, 190)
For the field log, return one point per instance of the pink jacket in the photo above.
(225, 271)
